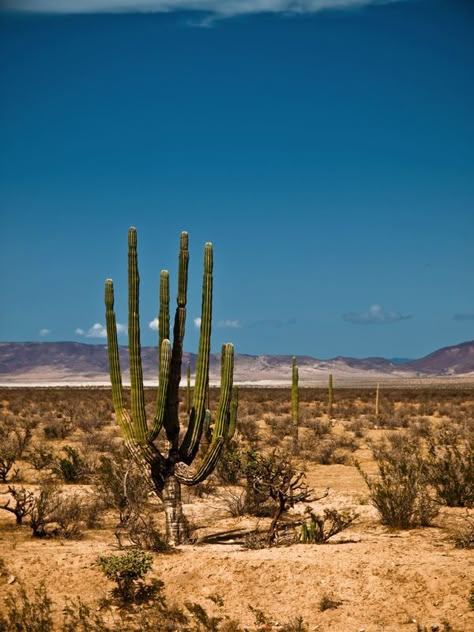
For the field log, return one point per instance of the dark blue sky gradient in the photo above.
(328, 157)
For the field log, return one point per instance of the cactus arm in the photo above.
(221, 424)
(171, 422)
(207, 465)
(136, 374)
(190, 444)
(165, 359)
(188, 388)
(123, 419)
(164, 313)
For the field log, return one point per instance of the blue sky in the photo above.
(327, 154)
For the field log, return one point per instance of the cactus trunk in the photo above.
(330, 395)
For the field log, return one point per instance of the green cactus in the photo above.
(330, 395)
(188, 388)
(295, 403)
(377, 399)
(168, 471)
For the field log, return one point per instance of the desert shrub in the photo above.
(73, 467)
(55, 513)
(319, 529)
(400, 491)
(58, 427)
(275, 477)
(126, 571)
(13, 443)
(327, 602)
(464, 538)
(471, 598)
(235, 501)
(40, 457)
(22, 504)
(27, 614)
(229, 469)
(450, 468)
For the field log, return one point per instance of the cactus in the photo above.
(377, 400)
(188, 388)
(330, 395)
(169, 470)
(294, 406)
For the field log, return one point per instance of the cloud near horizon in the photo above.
(44, 332)
(99, 331)
(215, 8)
(376, 315)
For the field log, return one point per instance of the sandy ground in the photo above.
(386, 580)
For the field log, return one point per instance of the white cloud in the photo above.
(197, 323)
(376, 315)
(216, 8)
(229, 324)
(44, 332)
(99, 331)
(154, 324)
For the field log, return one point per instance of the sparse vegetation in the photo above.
(114, 497)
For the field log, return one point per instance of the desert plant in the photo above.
(319, 529)
(168, 471)
(40, 457)
(27, 614)
(450, 468)
(464, 538)
(13, 443)
(295, 402)
(126, 570)
(400, 491)
(327, 602)
(23, 501)
(275, 477)
(330, 395)
(73, 467)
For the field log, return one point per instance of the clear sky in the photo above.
(327, 154)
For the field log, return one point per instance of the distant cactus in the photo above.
(330, 395)
(295, 402)
(169, 471)
(377, 399)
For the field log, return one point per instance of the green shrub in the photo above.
(125, 570)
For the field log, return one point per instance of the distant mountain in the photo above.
(74, 362)
(455, 360)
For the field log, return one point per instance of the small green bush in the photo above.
(125, 570)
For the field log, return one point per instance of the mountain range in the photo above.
(77, 363)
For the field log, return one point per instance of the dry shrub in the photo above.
(400, 491)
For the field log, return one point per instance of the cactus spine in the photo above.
(330, 395)
(169, 470)
(295, 403)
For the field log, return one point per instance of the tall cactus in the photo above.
(295, 403)
(330, 395)
(377, 400)
(169, 470)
